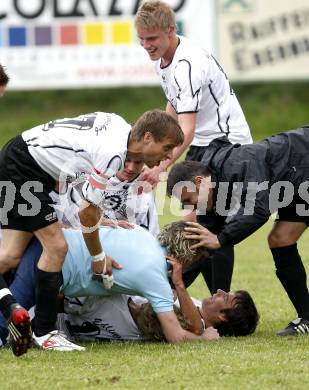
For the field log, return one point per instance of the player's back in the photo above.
(74, 146)
(139, 253)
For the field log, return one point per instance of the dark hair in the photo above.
(4, 78)
(185, 171)
(242, 319)
(160, 124)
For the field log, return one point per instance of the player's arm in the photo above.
(187, 307)
(174, 333)
(187, 123)
(90, 216)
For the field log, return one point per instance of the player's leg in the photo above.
(12, 247)
(218, 268)
(48, 277)
(290, 271)
(23, 283)
(47, 287)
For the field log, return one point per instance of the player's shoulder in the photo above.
(189, 50)
(110, 118)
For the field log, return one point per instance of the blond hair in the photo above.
(172, 237)
(149, 324)
(155, 14)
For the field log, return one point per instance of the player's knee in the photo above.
(58, 250)
(8, 260)
(278, 240)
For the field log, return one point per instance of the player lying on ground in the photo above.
(124, 317)
(263, 178)
(144, 273)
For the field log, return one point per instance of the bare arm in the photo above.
(90, 217)
(188, 308)
(187, 123)
(174, 333)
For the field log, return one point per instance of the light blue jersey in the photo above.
(144, 267)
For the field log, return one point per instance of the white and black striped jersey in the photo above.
(89, 148)
(98, 318)
(194, 82)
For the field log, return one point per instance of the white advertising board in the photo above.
(264, 39)
(86, 43)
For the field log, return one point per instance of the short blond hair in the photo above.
(172, 237)
(155, 14)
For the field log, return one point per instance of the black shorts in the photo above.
(195, 153)
(25, 203)
(296, 211)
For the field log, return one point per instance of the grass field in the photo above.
(261, 361)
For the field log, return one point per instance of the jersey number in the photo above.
(83, 122)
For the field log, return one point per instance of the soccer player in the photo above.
(244, 185)
(145, 274)
(4, 79)
(90, 148)
(201, 99)
(125, 199)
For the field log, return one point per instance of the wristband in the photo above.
(100, 257)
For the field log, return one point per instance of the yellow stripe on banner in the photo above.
(122, 32)
(93, 34)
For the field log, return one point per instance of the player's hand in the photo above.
(195, 231)
(105, 266)
(176, 271)
(114, 223)
(210, 334)
(152, 176)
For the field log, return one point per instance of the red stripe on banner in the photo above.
(95, 183)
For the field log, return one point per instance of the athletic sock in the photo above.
(218, 271)
(6, 298)
(46, 292)
(292, 275)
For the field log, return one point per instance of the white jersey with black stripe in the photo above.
(99, 318)
(89, 147)
(194, 82)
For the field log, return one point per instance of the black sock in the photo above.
(46, 293)
(292, 275)
(6, 299)
(217, 272)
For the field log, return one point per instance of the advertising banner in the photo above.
(264, 39)
(86, 43)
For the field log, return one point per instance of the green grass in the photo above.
(261, 361)
(269, 108)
